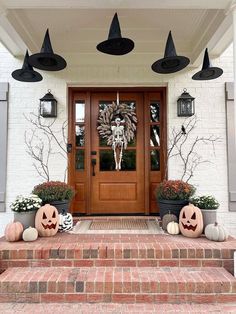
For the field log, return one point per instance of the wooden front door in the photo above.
(100, 188)
(115, 191)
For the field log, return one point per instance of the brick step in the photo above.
(111, 284)
(114, 255)
(228, 265)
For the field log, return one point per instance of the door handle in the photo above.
(94, 162)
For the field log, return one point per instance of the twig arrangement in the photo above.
(180, 145)
(40, 140)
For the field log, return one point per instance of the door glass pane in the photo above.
(128, 160)
(155, 160)
(79, 135)
(154, 135)
(79, 159)
(155, 111)
(79, 111)
(107, 162)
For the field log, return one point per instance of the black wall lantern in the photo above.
(48, 106)
(185, 105)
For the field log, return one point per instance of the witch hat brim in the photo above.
(116, 44)
(207, 72)
(171, 62)
(27, 73)
(46, 59)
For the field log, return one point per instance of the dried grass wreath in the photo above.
(109, 114)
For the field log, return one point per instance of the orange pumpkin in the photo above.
(191, 221)
(47, 221)
(13, 231)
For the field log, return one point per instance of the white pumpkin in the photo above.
(65, 222)
(30, 234)
(173, 227)
(216, 232)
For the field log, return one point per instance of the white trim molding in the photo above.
(3, 142)
(231, 143)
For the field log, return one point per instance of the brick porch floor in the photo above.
(119, 268)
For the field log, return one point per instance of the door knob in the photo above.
(94, 162)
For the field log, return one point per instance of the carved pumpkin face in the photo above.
(47, 221)
(191, 221)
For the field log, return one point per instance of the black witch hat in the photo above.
(207, 72)
(46, 59)
(171, 62)
(116, 44)
(26, 73)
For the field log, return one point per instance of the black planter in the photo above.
(172, 206)
(61, 206)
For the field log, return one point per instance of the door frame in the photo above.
(71, 160)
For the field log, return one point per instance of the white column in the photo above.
(234, 61)
(234, 45)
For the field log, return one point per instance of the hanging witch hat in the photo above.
(26, 73)
(171, 62)
(46, 59)
(116, 44)
(207, 72)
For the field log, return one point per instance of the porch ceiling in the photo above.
(76, 27)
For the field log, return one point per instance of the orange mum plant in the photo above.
(175, 190)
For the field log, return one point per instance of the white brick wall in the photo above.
(130, 71)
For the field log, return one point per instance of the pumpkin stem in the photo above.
(216, 223)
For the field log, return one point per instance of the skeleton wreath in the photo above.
(107, 117)
(117, 124)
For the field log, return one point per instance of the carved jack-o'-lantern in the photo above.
(47, 221)
(191, 221)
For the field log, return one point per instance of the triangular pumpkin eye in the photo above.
(184, 215)
(44, 216)
(193, 216)
(54, 214)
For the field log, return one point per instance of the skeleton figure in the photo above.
(119, 141)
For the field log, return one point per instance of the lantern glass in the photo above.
(48, 106)
(185, 105)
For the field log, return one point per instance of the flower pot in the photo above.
(209, 216)
(61, 206)
(172, 206)
(26, 218)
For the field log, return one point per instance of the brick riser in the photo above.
(197, 285)
(116, 256)
(227, 264)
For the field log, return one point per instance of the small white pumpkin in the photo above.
(65, 222)
(173, 227)
(30, 234)
(216, 232)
